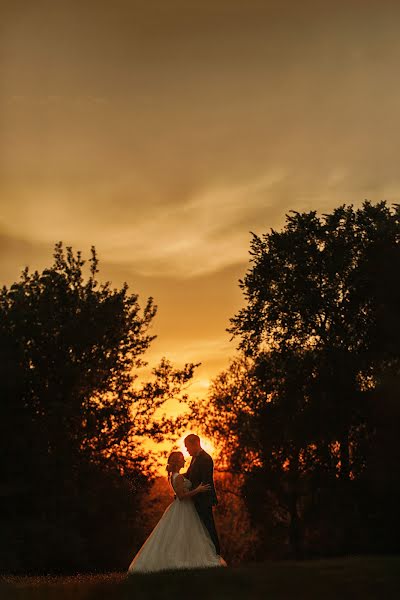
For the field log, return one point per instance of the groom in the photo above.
(201, 471)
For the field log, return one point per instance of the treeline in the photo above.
(73, 417)
(308, 412)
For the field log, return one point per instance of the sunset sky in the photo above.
(163, 132)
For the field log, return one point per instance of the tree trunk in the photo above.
(344, 457)
(294, 522)
(294, 527)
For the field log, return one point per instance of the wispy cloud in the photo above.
(165, 141)
(201, 234)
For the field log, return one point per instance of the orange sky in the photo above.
(164, 132)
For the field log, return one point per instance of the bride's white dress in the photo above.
(179, 540)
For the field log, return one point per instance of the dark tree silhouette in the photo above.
(73, 414)
(320, 337)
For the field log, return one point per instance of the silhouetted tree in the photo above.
(73, 415)
(312, 286)
(319, 332)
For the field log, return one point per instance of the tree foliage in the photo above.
(74, 413)
(319, 342)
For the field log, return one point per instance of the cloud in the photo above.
(166, 132)
(203, 234)
(211, 348)
(19, 251)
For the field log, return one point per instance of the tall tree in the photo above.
(73, 414)
(315, 285)
(318, 335)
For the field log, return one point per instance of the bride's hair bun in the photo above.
(172, 462)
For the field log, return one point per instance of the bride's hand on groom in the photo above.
(203, 487)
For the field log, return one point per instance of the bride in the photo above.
(179, 540)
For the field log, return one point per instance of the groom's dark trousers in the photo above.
(206, 515)
(201, 471)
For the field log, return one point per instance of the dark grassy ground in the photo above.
(363, 577)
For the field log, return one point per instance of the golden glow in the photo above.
(169, 191)
(206, 444)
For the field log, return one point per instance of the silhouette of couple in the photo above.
(185, 536)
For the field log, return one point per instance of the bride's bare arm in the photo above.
(180, 490)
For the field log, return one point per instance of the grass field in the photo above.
(363, 577)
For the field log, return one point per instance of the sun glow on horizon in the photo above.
(206, 444)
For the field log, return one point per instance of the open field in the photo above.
(355, 577)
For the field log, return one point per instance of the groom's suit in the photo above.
(201, 471)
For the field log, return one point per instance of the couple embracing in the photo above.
(185, 537)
